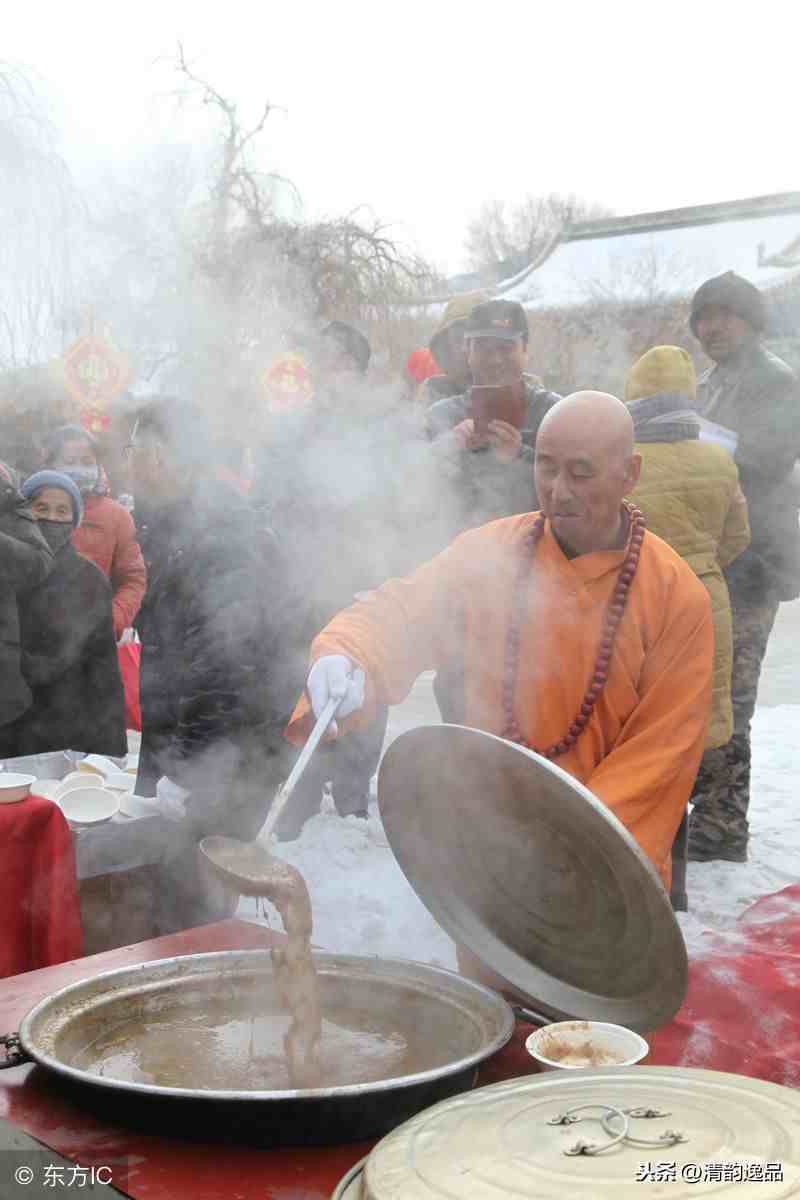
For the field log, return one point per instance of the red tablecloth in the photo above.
(39, 912)
(742, 1010)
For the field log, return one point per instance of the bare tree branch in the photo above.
(502, 240)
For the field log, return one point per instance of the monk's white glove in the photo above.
(333, 676)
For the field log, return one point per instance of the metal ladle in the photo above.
(284, 792)
(233, 862)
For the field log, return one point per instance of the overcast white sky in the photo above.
(425, 110)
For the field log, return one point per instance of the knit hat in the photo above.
(733, 292)
(54, 479)
(662, 369)
(351, 341)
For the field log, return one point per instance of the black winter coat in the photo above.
(212, 672)
(69, 659)
(25, 559)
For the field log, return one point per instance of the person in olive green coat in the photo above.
(690, 495)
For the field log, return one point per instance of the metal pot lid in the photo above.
(351, 1185)
(526, 868)
(520, 1139)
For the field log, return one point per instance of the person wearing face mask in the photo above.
(107, 535)
(69, 653)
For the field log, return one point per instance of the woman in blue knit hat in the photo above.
(107, 535)
(69, 652)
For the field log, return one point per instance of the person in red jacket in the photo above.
(107, 535)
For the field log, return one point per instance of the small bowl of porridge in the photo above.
(572, 1045)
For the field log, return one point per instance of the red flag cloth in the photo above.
(130, 654)
(40, 922)
(742, 1008)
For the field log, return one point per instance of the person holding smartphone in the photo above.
(486, 435)
(484, 439)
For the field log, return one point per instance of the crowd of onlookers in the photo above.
(235, 556)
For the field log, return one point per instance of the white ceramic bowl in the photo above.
(13, 787)
(571, 1045)
(77, 782)
(79, 775)
(89, 770)
(89, 805)
(120, 781)
(99, 764)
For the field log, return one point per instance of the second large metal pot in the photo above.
(175, 1044)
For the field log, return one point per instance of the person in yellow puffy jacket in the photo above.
(690, 495)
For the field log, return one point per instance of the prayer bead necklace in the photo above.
(614, 612)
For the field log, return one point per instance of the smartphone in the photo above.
(496, 402)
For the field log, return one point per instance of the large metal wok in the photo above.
(182, 1044)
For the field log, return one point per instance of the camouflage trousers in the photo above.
(722, 789)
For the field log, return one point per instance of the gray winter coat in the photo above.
(759, 398)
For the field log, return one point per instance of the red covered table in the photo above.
(39, 912)
(742, 1014)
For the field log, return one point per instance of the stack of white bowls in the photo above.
(95, 792)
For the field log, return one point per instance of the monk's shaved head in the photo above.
(597, 418)
(585, 464)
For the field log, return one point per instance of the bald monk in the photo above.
(580, 635)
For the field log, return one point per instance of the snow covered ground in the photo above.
(719, 891)
(363, 904)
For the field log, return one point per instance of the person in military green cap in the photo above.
(491, 470)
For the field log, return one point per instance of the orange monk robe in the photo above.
(640, 750)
